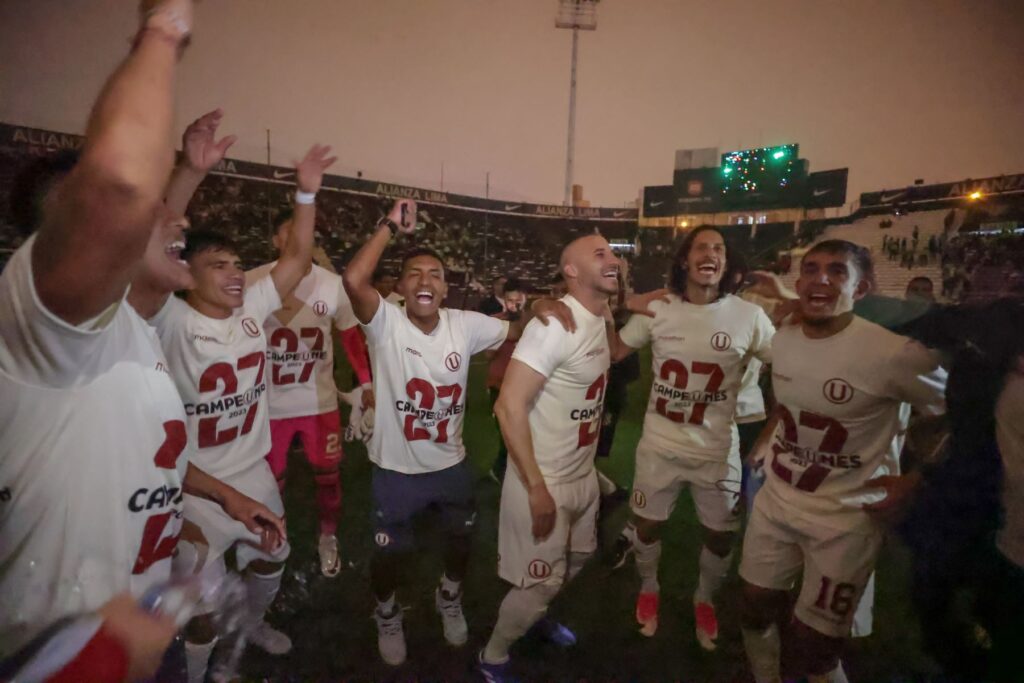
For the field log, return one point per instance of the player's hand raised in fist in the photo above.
(542, 511)
(309, 173)
(199, 144)
(403, 213)
(641, 303)
(173, 18)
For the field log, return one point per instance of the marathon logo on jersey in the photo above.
(251, 327)
(238, 403)
(144, 500)
(837, 391)
(683, 396)
(721, 341)
(320, 308)
(413, 352)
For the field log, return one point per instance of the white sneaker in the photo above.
(390, 636)
(454, 621)
(330, 562)
(270, 640)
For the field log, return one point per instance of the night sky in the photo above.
(894, 89)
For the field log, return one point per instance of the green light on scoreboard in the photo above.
(727, 170)
(779, 154)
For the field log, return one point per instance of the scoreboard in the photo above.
(761, 175)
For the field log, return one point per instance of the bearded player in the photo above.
(216, 350)
(841, 385)
(303, 395)
(550, 410)
(420, 359)
(702, 339)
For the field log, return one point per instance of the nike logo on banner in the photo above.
(889, 197)
(818, 193)
(513, 207)
(283, 174)
(619, 214)
(654, 204)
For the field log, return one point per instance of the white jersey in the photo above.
(300, 349)
(1010, 437)
(840, 402)
(92, 456)
(219, 366)
(420, 385)
(699, 354)
(565, 420)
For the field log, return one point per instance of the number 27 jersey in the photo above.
(839, 405)
(420, 385)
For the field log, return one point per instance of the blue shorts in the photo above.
(398, 498)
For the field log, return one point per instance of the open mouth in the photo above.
(173, 251)
(707, 268)
(612, 273)
(819, 300)
(425, 297)
(234, 290)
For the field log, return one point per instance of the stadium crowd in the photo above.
(144, 437)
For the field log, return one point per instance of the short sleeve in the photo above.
(37, 346)
(381, 325)
(637, 331)
(262, 299)
(917, 377)
(483, 331)
(541, 347)
(761, 343)
(344, 316)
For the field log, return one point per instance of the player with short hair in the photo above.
(93, 444)
(513, 300)
(702, 339)
(420, 361)
(303, 395)
(216, 350)
(550, 410)
(841, 385)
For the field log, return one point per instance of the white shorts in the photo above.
(836, 564)
(714, 484)
(221, 532)
(523, 561)
(864, 615)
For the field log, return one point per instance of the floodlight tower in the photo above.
(576, 15)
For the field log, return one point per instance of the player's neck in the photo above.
(591, 299)
(701, 295)
(827, 328)
(208, 309)
(146, 299)
(426, 325)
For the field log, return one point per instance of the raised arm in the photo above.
(96, 230)
(358, 276)
(297, 255)
(519, 390)
(200, 153)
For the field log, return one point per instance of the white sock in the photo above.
(576, 563)
(449, 588)
(836, 675)
(521, 609)
(605, 485)
(764, 650)
(262, 591)
(712, 573)
(197, 658)
(648, 556)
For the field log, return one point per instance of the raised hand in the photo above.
(408, 225)
(199, 144)
(309, 173)
(640, 303)
(173, 18)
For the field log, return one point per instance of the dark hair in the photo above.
(920, 278)
(513, 284)
(420, 251)
(198, 241)
(281, 220)
(31, 185)
(678, 274)
(860, 256)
